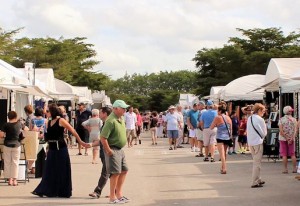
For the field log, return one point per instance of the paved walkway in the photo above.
(158, 176)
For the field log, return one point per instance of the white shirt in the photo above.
(130, 120)
(259, 123)
(180, 115)
(172, 121)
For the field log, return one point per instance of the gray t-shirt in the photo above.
(95, 124)
(12, 132)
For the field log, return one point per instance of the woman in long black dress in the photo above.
(56, 180)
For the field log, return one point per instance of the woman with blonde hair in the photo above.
(256, 132)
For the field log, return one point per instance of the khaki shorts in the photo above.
(116, 163)
(199, 135)
(209, 136)
(130, 132)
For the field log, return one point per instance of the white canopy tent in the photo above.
(291, 86)
(242, 88)
(279, 72)
(16, 88)
(44, 79)
(187, 99)
(101, 97)
(64, 91)
(85, 95)
(215, 93)
(11, 75)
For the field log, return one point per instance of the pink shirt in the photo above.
(139, 120)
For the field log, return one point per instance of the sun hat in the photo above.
(287, 109)
(202, 102)
(172, 107)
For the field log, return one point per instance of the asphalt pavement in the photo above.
(160, 177)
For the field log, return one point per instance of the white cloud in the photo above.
(147, 36)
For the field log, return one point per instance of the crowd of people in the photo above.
(205, 127)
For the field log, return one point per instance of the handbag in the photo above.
(255, 128)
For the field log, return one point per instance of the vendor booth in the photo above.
(239, 92)
(282, 89)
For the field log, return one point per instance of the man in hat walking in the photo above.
(113, 139)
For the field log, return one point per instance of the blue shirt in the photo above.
(222, 132)
(185, 114)
(193, 116)
(207, 117)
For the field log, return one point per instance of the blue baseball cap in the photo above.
(209, 103)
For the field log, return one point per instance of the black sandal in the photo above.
(256, 186)
(212, 160)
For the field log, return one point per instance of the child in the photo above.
(242, 139)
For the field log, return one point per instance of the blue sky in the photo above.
(139, 36)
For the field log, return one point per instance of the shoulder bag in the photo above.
(255, 128)
(231, 142)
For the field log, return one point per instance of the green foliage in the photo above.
(7, 44)
(243, 56)
(71, 59)
(152, 91)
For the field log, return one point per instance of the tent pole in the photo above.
(279, 102)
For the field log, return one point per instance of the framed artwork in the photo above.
(273, 116)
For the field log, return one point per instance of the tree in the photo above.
(243, 56)
(155, 91)
(7, 44)
(72, 59)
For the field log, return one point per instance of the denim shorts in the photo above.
(173, 133)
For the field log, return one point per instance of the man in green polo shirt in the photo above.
(113, 138)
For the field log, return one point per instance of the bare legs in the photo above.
(222, 151)
(95, 154)
(116, 185)
(285, 163)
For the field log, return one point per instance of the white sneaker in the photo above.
(124, 199)
(116, 201)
